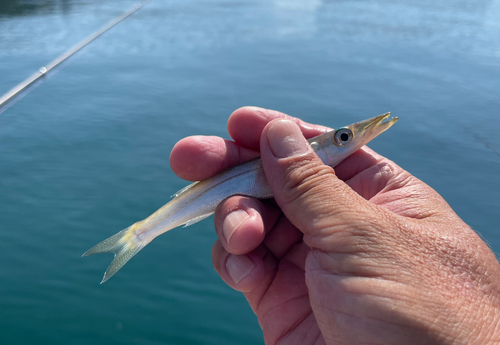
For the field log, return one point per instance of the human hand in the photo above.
(365, 254)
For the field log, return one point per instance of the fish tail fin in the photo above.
(124, 244)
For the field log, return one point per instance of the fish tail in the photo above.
(124, 244)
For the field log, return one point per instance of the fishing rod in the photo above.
(27, 85)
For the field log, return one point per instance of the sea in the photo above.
(85, 153)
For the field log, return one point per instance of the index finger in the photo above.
(246, 124)
(199, 157)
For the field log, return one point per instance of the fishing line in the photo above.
(487, 144)
(23, 88)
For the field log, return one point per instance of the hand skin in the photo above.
(365, 254)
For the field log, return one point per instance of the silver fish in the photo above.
(200, 199)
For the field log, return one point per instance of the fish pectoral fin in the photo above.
(197, 219)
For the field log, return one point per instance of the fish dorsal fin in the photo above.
(184, 189)
(197, 219)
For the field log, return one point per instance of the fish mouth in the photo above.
(369, 129)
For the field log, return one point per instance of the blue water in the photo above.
(85, 154)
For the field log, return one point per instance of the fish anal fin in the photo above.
(197, 219)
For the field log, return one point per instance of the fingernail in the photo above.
(232, 222)
(286, 139)
(239, 267)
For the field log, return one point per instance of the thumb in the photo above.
(308, 191)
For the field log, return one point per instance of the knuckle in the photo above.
(304, 177)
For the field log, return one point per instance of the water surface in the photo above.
(85, 154)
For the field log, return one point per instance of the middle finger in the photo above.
(241, 223)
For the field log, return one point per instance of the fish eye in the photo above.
(343, 136)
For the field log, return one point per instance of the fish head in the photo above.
(332, 147)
